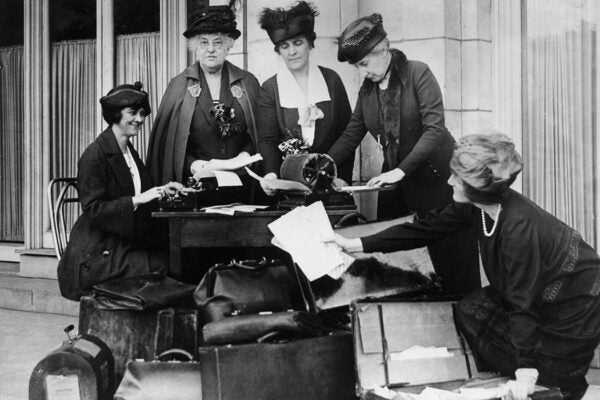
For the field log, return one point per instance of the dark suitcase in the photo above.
(132, 335)
(318, 368)
(82, 368)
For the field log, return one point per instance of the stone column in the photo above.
(173, 22)
(105, 52)
(37, 120)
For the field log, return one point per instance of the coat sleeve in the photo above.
(345, 146)
(434, 226)
(268, 127)
(431, 108)
(111, 215)
(520, 253)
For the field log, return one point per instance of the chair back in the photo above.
(61, 192)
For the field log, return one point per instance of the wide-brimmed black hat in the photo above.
(282, 24)
(126, 96)
(360, 37)
(214, 19)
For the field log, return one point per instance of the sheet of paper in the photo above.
(364, 188)
(301, 232)
(280, 184)
(419, 352)
(227, 178)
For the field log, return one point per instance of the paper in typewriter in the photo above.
(306, 233)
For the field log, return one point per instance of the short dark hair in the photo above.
(113, 115)
(310, 38)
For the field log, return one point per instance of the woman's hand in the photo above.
(387, 178)
(147, 196)
(171, 188)
(157, 192)
(350, 245)
(265, 186)
(522, 386)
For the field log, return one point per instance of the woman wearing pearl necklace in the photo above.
(539, 319)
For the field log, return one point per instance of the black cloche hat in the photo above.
(122, 96)
(214, 19)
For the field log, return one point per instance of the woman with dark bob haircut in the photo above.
(539, 319)
(303, 107)
(113, 238)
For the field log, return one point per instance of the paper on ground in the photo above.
(279, 184)
(302, 232)
(420, 352)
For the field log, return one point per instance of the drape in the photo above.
(560, 102)
(73, 104)
(73, 109)
(138, 59)
(11, 143)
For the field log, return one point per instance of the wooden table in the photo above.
(197, 229)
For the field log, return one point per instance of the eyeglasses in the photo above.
(217, 44)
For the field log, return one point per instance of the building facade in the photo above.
(527, 68)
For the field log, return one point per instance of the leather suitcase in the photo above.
(132, 335)
(319, 368)
(81, 368)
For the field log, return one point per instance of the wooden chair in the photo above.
(61, 192)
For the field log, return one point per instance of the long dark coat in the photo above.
(410, 127)
(171, 129)
(109, 239)
(275, 122)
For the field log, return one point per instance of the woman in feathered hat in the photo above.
(112, 238)
(206, 119)
(304, 107)
(539, 319)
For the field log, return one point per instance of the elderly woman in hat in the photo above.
(206, 119)
(303, 107)
(112, 237)
(400, 104)
(539, 319)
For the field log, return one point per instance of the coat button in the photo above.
(106, 253)
(222, 152)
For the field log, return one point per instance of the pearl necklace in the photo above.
(485, 231)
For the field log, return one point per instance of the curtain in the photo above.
(11, 143)
(74, 101)
(560, 102)
(73, 109)
(138, 59)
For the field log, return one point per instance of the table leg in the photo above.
(175, 248)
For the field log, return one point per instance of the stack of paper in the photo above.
(230, 209)
(306, 233)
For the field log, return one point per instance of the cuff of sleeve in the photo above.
(368, 244)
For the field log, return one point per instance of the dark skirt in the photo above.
(562, 359)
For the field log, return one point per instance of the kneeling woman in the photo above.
(541, 313)
(111, 239)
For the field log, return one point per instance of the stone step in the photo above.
(35, 295)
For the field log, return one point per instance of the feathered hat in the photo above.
(282, 24)
(214, 19)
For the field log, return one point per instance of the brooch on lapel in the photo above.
(195, 90)
(237, 92)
